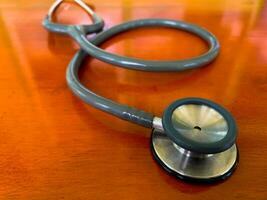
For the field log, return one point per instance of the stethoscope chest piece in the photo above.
(197, 142)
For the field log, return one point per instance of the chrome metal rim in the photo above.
(191, 166)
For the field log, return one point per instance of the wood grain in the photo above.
(53, 146)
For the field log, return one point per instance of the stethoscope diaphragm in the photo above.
(198, 141)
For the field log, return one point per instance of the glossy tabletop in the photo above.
(54, 146)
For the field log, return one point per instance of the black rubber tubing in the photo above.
(145, 65)
(90, 47)
(79, 33)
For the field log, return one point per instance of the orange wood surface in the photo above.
(53, 146)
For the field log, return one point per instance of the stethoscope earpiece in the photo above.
(197, 141)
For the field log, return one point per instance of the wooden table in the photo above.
(53, 146)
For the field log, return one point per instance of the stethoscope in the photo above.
(195, 139)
